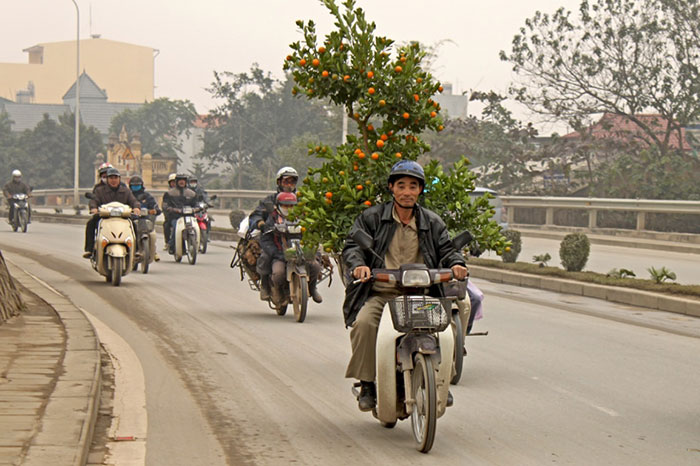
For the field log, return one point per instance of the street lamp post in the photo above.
(76, 162)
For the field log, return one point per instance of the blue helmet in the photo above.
(407, 168)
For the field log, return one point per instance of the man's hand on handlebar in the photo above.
(93, 211)
(362, 273)
(460, 272)
(137, 211)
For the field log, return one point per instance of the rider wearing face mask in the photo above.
(146, 200)
(273, 244)
(404, 232)
(287, 178)
(14, 186)
(113, 191)
(173, 202)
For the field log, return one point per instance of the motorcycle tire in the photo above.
(145, 254)
(301, 297)
(424, 391)
(15, 221)
(203, 240)
(192, 248)
(117, 268)
(459, 347)
(23, 220)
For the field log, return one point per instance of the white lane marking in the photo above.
(608, 411)
(130, 418)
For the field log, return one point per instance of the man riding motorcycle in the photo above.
(113, 191)
(15, 186)
(199, 190)
(173, 202)
(287, 178)
(272, 243)
(166, 215)
(404, 232)
(145, 199)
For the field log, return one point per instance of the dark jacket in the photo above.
(201, 194)
(378, 221)
(147, 200)
(262, 211)
(104, 194)
(271, 241)
(177, 198)
(15, 187)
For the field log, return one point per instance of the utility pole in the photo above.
(76, 161)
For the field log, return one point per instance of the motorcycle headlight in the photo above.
(116, 212)
(416, 278)
(294, 229)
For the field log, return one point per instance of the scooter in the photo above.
(187, 235)
(113, 256)
(297, 290)
(21, 217)
(204, 222)
(146, 243)
(414, 349)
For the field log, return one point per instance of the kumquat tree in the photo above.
(387, 96)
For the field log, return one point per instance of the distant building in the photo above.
(126, 70)
(455, 106)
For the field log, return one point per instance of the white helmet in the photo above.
(171, 177)
(286, 171)
(16, 173)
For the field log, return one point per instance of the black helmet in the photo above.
(136, 180)
(180, 176)
(111, 171)
(407, 168)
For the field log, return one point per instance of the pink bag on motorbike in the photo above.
(475, 292)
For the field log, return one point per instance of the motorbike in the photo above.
(113, 255)
(414, 351)
(204, 222)
(21, 217)
(146, 240)
(187, 235)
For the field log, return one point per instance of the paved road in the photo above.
(604, 258)
(229, 382)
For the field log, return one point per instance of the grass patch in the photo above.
(688, 291)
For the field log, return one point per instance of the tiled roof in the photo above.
(89, 90)
(611, 126)
(100, 114)
(26, 116)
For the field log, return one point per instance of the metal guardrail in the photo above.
(593, 205)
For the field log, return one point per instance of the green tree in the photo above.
(160, 124)
(619, 56)
(254, 127)
(387, 94)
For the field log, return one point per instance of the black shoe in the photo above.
(367, 400)
(315, 295)
(87, 254)
(450, 400)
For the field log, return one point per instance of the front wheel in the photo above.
(459, 347)
(203, 240)
(15, 220)
(424, 392)
(23, 220)
(192, 247)
(145, 254)
(117, 268)
(300, 297)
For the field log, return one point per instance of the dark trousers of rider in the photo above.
(166, 228)
(279, 273)
(363, 338)
(173, 229)
(11, 210)
(90, 228)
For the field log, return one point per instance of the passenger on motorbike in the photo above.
(173, 202)
(287, 178)
(102, 172)
(113, 191)
(166, 215)
(404, 232)
(273, 245)
(146, 200)
(12, 187)
(199, 190)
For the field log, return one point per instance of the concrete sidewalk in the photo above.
(50, 379)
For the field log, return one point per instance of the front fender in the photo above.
(116, 250)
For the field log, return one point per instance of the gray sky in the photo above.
(197, 37)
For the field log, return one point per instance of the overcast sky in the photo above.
(196, 37)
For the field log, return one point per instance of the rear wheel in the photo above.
(192, 247)
(424, 392)
(459, 347)
(300, 297)
(117, 268)
(203, 240)
(145, 253)
(23, 220)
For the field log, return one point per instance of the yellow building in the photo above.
(125, 71)
(126, 156)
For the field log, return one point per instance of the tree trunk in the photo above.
(10, 301)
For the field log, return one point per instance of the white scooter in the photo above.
(415, 349)
(187, 236)
(113, 256)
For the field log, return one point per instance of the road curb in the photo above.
(640, 298)
(74, 404)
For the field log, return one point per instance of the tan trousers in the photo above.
(363, 335)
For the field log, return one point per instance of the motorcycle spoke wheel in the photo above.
(192, 248)
(15, 222)
(23, 220)
(117, 268)
(459, 347)
(424, 415)
(145, 254)
(203, 240)
(300, 297)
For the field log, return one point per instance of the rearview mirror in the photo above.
(89, 195)
(213, 198)
(362, 238)
(462, 239)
